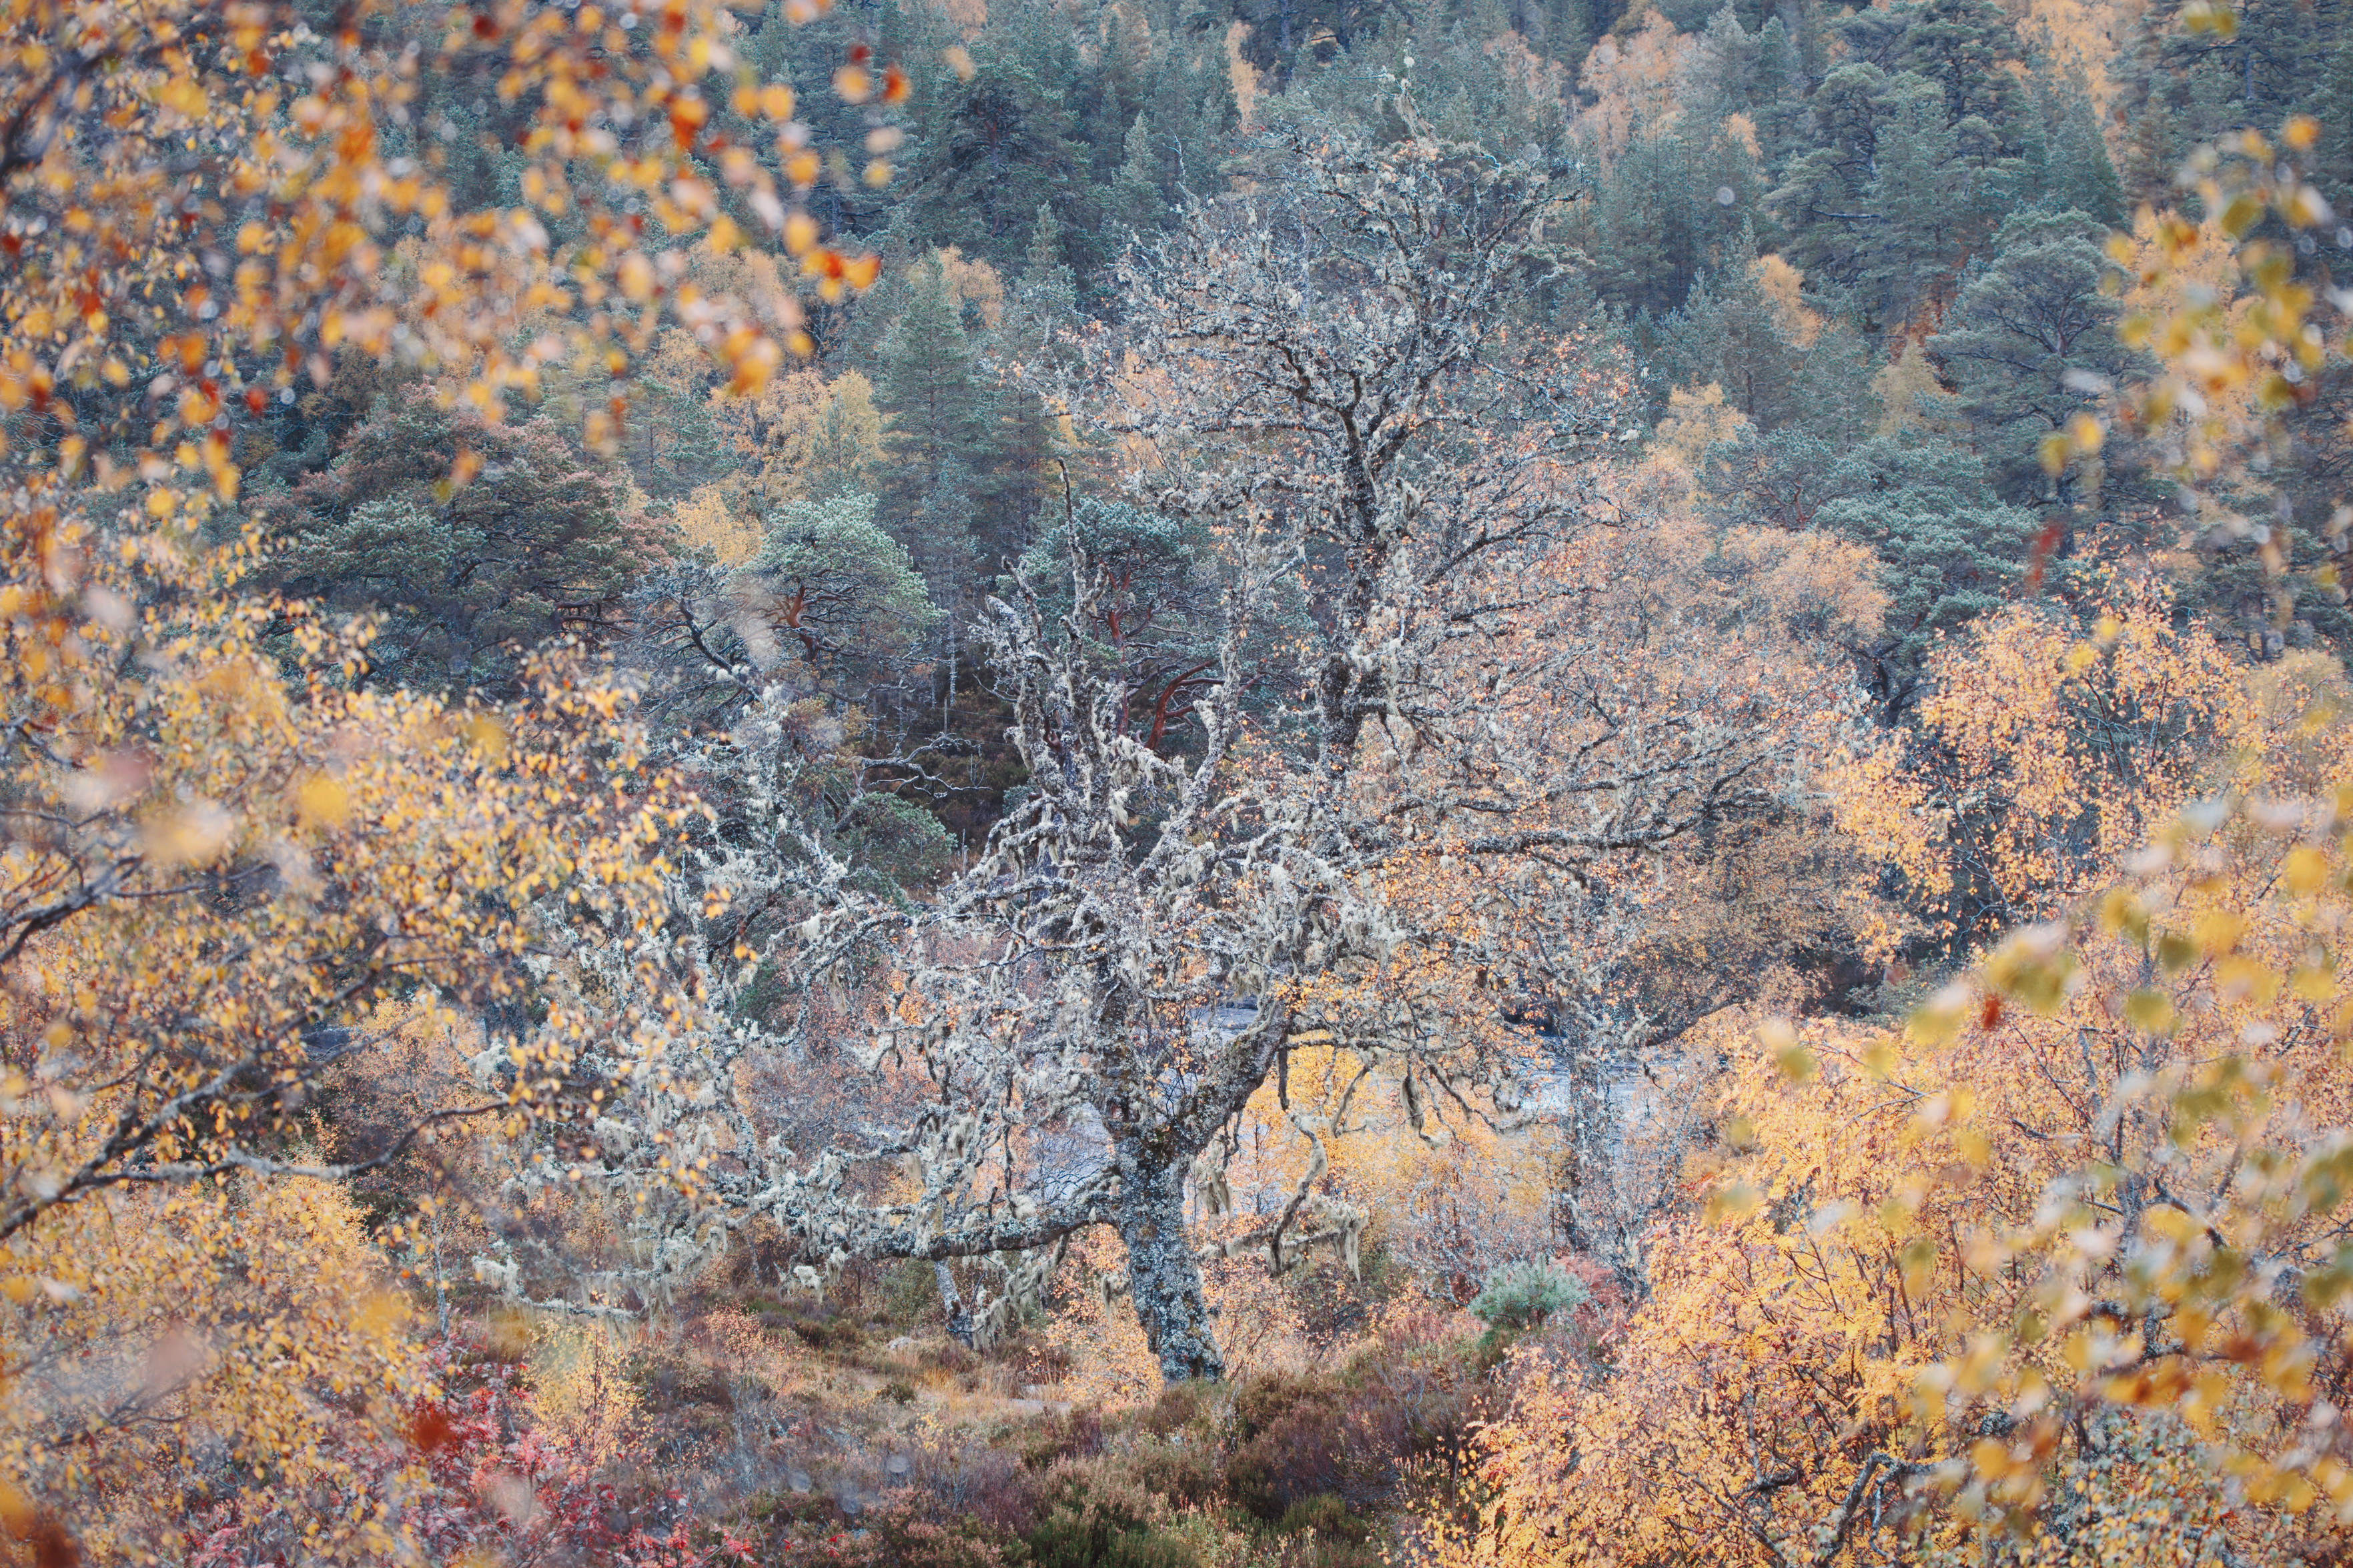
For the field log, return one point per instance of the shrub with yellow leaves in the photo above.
(211, 881)
(2042, 755)
(2060, 1264)
(218, 857)
(166, 1348)
(2055, 1273)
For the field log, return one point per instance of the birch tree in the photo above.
(1340, 387)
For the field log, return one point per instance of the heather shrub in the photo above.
(1101, 1514)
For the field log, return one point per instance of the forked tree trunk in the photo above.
(1163, 1276)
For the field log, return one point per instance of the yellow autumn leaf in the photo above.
(322, 802)
(195, 834)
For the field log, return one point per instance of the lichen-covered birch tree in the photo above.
(1342, 387)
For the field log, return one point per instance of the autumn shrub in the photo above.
(1323, 1515)
(1418, 1399)
(1069, 1435)
(985, 1483)
(147, 1378)
(1335, 1306)
(669, 1382)
(1410, 1397)
(2061, 1258)
(1180, 1405)
(820, 1325)
(1038, 1358)
(908, 1531)
(1182, 1468)
(908, 1294)
(1100, 1514)
(1290, 1443)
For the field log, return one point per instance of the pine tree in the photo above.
(1567, 30)
(1045, 294)
(2081, 174)
(1920, 195)
(1779, 100)
(1139, 202)
(1109, 99)
(2029, 340)
(465, 580)
(1777, 363)
(1970, 48)
(1950, 551)
(1037, 340)
(831, 579)
(939, 412)
(1641, 252)
(940, 541)
(1824, 198)
(668, 439)
(996, 146)
(1723, 70)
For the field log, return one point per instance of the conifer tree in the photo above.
(466, 580)
(1948, 550)
(2030, 341)
(1109, 99)
(1777, 363)
(997, 144)
(939, 536)
(1779, 102)
(1967, 48)
(1824, 197)
(1139, 203)
(1037, 340)
(1920, 195)
(831, 579)
(1723, 72)
(941, 417)
(668, 439)
(1045, 296)
(2081, 174)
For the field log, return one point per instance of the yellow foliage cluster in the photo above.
(579, 1390)
(2045, 758)
(1453, 1198)
(2056, 1273)
(2068, 1247)
(797, 433)
(227, 876)
(154, 1342)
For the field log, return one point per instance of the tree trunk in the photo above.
(1164, 1277)
(952, 1303)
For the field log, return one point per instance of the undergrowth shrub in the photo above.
(1071, 1434)
(1407, 1399)
(907, 1532)
(1101, 1514)
(909, 1295)
(1289, 1443)
(1326, 1516)
(1519, 1296)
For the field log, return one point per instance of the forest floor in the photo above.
(839, 1431)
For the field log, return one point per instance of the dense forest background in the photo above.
(1287, 784)
(1857, 259)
